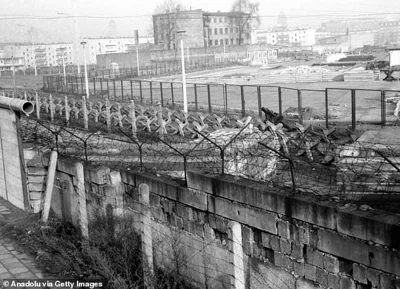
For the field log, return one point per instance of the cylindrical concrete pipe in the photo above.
(16, 104)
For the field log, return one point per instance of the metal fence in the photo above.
(329, 106)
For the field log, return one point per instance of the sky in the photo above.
(53, 19)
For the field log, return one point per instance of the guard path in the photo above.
(14, 264)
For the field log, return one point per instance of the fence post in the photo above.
(66, 108)
(108, 116)
(326, 109)
(300, 106)
(83, 221)
(131, 89)
(133, 119)
(141, 92)
(383, 108)
(226, 98)
(172, 95)
(82, 92)
(353, 109)
(122, 90)
(94, 85)
(161, 94)
(114, 89)
(151, 92)
(259, 101)
(209, 98)
(49, 186)
(243, 101)
(280, 99)
(236, 254)
(146, 233)
(77, 84)
(51, 107)
(84, 111)
(37, 100)
(195, 98)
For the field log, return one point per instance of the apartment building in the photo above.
(278, 36)
(388, 32)
(11, 63)
(202, 29)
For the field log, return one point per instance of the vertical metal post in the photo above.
(115, 89)
(108, 90)
(151, 92)
(226, 98)
(300, 106)
(209, 98)
(353, 109)
(77, 84)
(140, 92)
(172, 95)
(82, 92)
(131, 89)
(243, 101)
(122, 89)
(326, 109)
(280, 99)
(383, 108)
(161, 94)
(259, 101)
(195, 97)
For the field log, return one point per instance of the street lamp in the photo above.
(83, 43)
(185, 104)
(33, 46)
(137, 60)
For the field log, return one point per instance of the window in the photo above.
(210, 42)
(216, 41)
(215, 31)
(227, 41)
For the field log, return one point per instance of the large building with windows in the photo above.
(202, 29)
(278, 36)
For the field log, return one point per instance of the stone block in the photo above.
(128, 177)
(386, 281)
(315, 257)
(33, 187)
(278, 259)
(283, 229)
(35, 171)
(154, 200)
(115, 177)
(209, 232)
(288, 263)
(333, 281)
(97, 174)
(66, 166)
(247, 240)
(310, 272)
(306, 284)
(180, 210)
(346, 283)
(286, 246)
(266, 275)
(373, 277)
(310, 212)
(199, 182)
(322, 277)
(266, 240)
(193, 198)
(297, 251)
(36, 179)
(331, 264)
(299, 268)
(360, 273)
(35, 195)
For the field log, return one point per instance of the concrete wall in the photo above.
(289, 241)
(12, 184)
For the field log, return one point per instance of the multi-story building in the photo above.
(278, 36)
(344, 26)
(41, 55)
(388, 33)
(11, 63)
(202, 29)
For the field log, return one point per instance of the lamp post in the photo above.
(33, 46)
(185, 104)
(62, 49)
(83, 43)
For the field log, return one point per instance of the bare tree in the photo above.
(245, 16)
(165, 22)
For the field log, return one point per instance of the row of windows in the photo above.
(225, 41)
(223, 31)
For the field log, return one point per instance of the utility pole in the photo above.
(185, 104)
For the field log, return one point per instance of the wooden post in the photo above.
(122, 89)
(151, 92)
(80, 187)
(243, 101)
(326, 109)
(300, 106)
(209, 98)
(195, 98)
(172, 95)
(146, 232)
(259, 101)
(49, 186)
(280, 99)
(161, 94)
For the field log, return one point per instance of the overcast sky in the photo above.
(129, 15)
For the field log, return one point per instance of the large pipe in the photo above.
(16, 104)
